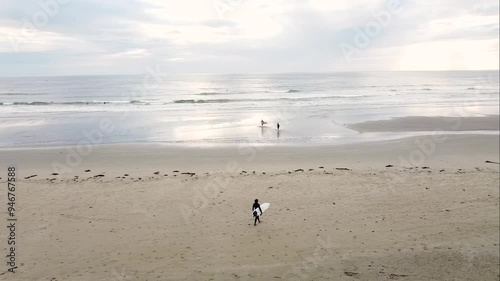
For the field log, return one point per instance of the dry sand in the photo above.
(436, 220)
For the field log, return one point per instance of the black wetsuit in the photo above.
(254, 209)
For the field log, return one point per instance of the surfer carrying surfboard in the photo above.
(256, 206)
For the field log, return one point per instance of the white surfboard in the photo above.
(264, 207)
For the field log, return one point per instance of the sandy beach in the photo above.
(349, 212)
(136, 138)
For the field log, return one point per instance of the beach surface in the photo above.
(420, 208)
(426, 124)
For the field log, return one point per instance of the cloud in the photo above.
(250, 36)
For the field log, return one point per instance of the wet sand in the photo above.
(430, 124)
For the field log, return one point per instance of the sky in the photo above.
(94, 37)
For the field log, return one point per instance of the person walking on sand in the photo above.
(262, 123)
(278, 126)
(256, 206)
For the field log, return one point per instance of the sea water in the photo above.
(220, 109)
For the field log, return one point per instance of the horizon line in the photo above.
(254, 73)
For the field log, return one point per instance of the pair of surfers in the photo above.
(262, 123)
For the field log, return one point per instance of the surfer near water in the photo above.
(256, 206)
(278, 126)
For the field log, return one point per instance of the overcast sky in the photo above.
(74, 37)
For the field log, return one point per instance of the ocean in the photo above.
(209, 109)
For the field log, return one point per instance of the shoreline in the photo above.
(302, 132)
(368, 137)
